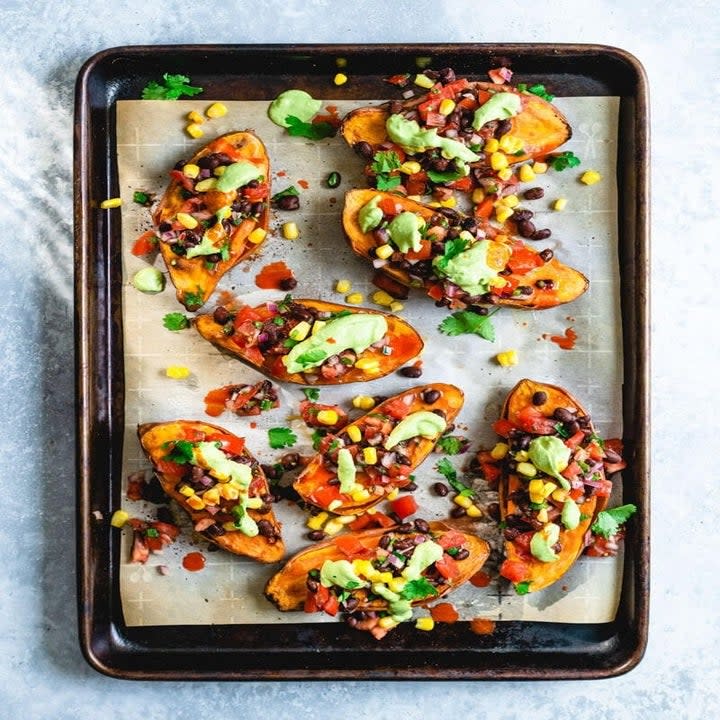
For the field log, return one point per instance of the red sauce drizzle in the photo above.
(304, 184)
(194, 562)
(480, 579)
(566, 341)
(482, 626)
(444, 612)
(270, 277)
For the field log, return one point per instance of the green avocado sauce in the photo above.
(501, 106)
(469, 269)
(295, 103)
(412, 139)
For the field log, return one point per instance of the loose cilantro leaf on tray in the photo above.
(522, 588)
(311, 394)
(451, 444)
(465, 322)
(445, 468)
(564, 160)
(171, 88)
(313, 131)
(608, 522)
(281, 437)
(540, 91)
(176, 321)
(292, 190)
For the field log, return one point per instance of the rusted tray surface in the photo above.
(516, 650)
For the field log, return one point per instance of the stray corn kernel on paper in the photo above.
(151, 139)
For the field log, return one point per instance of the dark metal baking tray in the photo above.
(516, 650)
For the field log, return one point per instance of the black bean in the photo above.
(385, 542)
(257, 208)
(333, 179)
(611, 456)
(288, 283)
(543, 234)
(312, 585)
(571, 427)
(405, 528)
(462, 554)
(439, 164)
(563, 415)
(214, 530)
(164, 227)
(524, 290)
(539, 398)
(288, 202)
(457, 512)
(431, 396)
(350, 604)
(411, 486)
(316, 535)
(381, 235)
(522, 215)
(503, 128)
(364, 149)
(290, 460)
(411, 371)
(221, 315)
(469, 224)
(446, 75)
(493, 510)
(478, 309)
(547, 255)
(422, 525)
(265, 528)
(440, 489)
(526, 228)
(534, 193)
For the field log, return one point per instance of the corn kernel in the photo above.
(369, 455)
(410, 167)
(111, 203)
(539, 168)
(327, 417)
(450, 202)
(499, 451)
(369, 364)
(536, 490)
(354, 433)
(317, 326)
(212, 496)
(186, 490)
(384, 251)
(216, 110)
(527, 469)
(195, 502)
(549, 488)
(559, 495)
(491, 146)
(387, 622)
(290, 231)
(384, 577)
(300, 331)
(341, 62)
(191, 170)
(257, 235)
(433, 204)
(224, 212)
(380, 297)
(252, 503)
(397, 584)
(354, 298)
(510, 144)
(446, 106)
(195, 117)
(393, 494)
(526, 173)
(425, 623)
(360, 494)
(206, 184)
(334, 504)
(340, 79)
(542, 515)
(560, 204)
(363, 402)
(505, 174)
(502, 213)
(363, 567)
(424, 81)
(507, 358)
(474, 511)
(590, 177)
(521, 456)
(187, 221)
(119, 518)
(315, 522)
(194, 130)
(333, 527)
(478, 195)
(219, 171)
(177, 372)
(462, 501)
(229, 492)
(511, 201)
(498, 161)
(396, 306)
(343, 286)
(498, 282)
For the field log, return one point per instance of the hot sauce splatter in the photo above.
(480, 579)
(304, 184)
(444, 612)
(482, 626)
(272, 276)
(194, 562)
(566, 341)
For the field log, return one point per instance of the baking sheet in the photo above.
(150, 140)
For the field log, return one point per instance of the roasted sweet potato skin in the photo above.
(562, 283)
(154, 438)
(312, 482)
(540, 125)
(405, 341)
(287, 589)
(194, 281)
(539, 574)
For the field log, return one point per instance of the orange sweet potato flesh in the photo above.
(287, 589)
(405, 341)
(313, 480)
(567, 283)
(541, 574)
(194, 281)
(153, 438)
(539, 125)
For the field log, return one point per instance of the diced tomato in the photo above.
(436, 291)
(595, 451)
(485, 208)
(514, 570)
(182, 179)
(351, 547)
(310, 604)
(172, 531)
(331, 605)
(491, 472)
(230, 443)
(605, 488)
(145, 244)
(467, 103)
(245, 314)
(503, 427)
(523, 260)
(451, 538)
(416, 183)
(422, 254)
(571, 471)
(447, 567)
(255, 194)
(439, 93)
(170, 468)
(324, 495)
(510, 284)
(404, 506)
(531, 420)
(309, 412)
(399, 473)
(435, 119)
(369, 520)
(396, 409)
(575, 440)
(522, 543)
(463, 184)
(215, 401)
(389, 206)
(399, 80)
(444, 612)
(576, 493)
(154, 543)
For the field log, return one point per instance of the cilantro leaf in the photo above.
(313, 131)
(608, 522)
(452, 444)
(311, 356)
(143, 198)
(385, 161)
(181, 452)
(465, 322)
(451, 249)
(540, 91)
(292, 190)
(193, 300)
(564, 160)
(311, 394)
(445, 468)
(522, 588)
(316, 437)
(387, 182)
(418, 589)
(443, 177)
(176, 321)
(281, 437)
(171, 88)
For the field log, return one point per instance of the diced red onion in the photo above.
(388, 459)
(451, 133)
(379, 262)
(408, 94)
(203, 524)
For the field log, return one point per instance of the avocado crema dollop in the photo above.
(356, 331)
(238, 174)
(422, 423)
(412, 139)
(469, 269)
(501, 106)
(293, 103)
(403, 229)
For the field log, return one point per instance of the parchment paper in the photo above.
(150, 140)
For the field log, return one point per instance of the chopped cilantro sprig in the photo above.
(465, 322)
(312, 131)
(564, 160)
(171, 88)
(176, 321)
(608, 522)
(445, 468)
(281, 437)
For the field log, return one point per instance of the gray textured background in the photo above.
(42, 674)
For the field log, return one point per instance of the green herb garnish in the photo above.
(171, 88)
(142, 198)
(387, 182)
(311, 356)
(418, 589)
(444, 177)
(451, 249)
(311, 394)
(522, 588)
(465, 322)
(292, 190)
(281, 437)
(608, 522)
(316, 437)
(445, 468)
(313, 131)
(451, 444)
(176, 321)
(181, 452)
(384, 162)
(540, 91)
(193, 300)
(564, 160)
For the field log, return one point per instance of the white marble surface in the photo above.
(42, 674)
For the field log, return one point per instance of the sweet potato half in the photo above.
(534, 409)
(259, 337)
(193, 214)
(540, 126)
(531, 282)
(210, 501)
(288, 589)
(386, 469)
